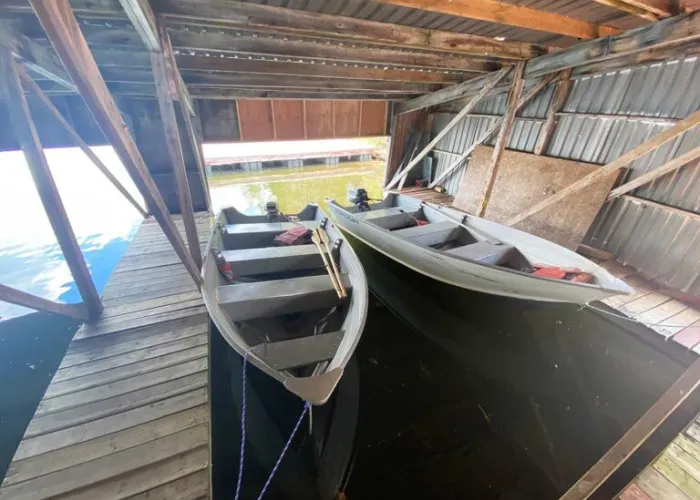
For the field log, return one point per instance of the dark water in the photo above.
(31, 348)
(462, 395)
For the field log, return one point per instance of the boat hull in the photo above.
(473, 275)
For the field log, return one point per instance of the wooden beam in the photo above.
(167, 90)
(502, 139)
(652, 10)
(25, 131)
(536, 89)
(141, 16)
(34, 88)
(249, 44)
(678, 31)
(636, 435)
(512, 15)
(461, 90)
(24, 299)
(664, 169)
(681, 32)
(494, 79)
(612, 167)
(110, 58)
(34, 57)
(219, 93)
(279, 20)
(630, 8)
(64, 33)
(560, 96)
(246, 44)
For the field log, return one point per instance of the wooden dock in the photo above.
(127, 412)
(675, 474)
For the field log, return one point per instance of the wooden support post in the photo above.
(526, 98)
(495, 78)
(166, 91)
(24, 299)
(196, 146)
(664, 169)
(636, 435)
(18, 109)
(502, 139)
(64, 33)
(29, 83)
(560, 95)
(612, 167)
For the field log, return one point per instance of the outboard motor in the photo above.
(272, 211)
(360, 198)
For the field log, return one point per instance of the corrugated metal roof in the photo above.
(375, 11)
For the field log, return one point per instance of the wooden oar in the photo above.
(324, 238)
(315, 237)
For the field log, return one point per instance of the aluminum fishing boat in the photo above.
(474, 253)
(288, 292)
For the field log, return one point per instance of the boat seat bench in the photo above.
(250, 261)
(483, 251)
(262, 299)
(429, 234)
(389, 218)
(302, 351)
(259, 234)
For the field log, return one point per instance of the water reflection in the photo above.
(251, 191)
(103, 221)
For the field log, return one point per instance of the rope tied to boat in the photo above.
(239, 482)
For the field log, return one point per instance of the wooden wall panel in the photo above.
(525, 179)
(346, 118)
(373, 118)
(288, 117)
(319, 119)
(255, 119)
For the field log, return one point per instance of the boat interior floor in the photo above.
(281, 299)
(450, 237)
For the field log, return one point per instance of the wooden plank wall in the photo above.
(291, 119)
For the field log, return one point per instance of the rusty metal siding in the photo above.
(605, 116)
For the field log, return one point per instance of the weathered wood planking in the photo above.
(525, 179)
(127, 413)
(675, 473)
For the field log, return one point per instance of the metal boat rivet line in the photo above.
(307, 405)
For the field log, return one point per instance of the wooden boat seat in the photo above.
(389, 218)
(249, 261)
(259, 234)
(430, 234)
(484, 251)
(245, 301)
(302, 351)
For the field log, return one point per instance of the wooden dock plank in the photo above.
(126, 386)
(127, 412)
(658, 487)
(64, 458)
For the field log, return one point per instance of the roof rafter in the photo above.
(512, 15)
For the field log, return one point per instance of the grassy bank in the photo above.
(296, 173)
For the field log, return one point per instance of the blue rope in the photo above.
(307, 405)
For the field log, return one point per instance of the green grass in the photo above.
(274, 174)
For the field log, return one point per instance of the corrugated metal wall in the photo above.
(605, 116)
